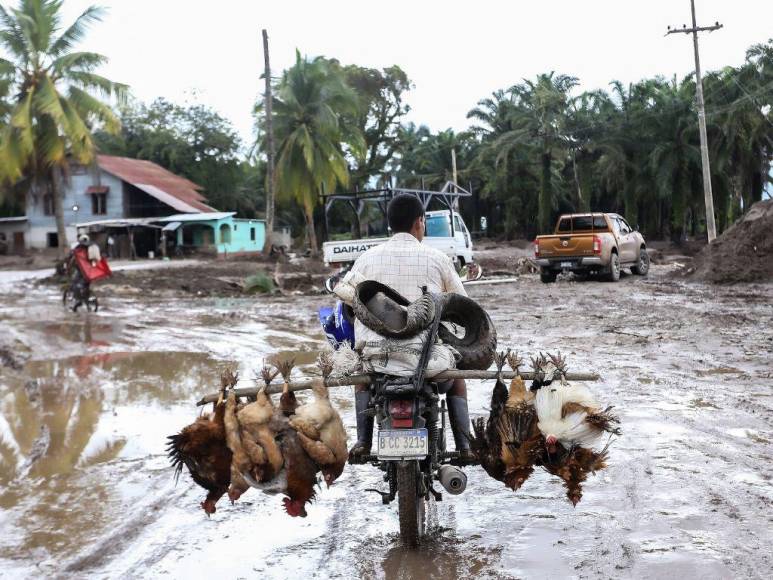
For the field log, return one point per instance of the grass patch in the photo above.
(260, 283)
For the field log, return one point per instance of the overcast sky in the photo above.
(455, 52)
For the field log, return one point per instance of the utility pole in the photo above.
(453, 174)
(270, 151)
(453, 164)
(711, 226)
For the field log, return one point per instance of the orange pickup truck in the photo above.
(591, 243)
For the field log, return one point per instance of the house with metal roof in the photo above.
(141, 205)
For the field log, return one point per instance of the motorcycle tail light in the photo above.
(596, 245)
(401, 409)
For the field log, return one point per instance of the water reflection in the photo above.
(62, 421)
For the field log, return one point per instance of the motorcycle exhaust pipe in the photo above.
(452, 479)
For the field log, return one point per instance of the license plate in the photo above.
(567, 264)
(403, 444)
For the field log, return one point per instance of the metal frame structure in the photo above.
(356, 200)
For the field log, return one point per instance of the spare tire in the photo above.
(479, 343)
(387, 312)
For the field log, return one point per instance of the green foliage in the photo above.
(49, 108)
(193, 141)
(380, 110)
(312, 123)
(260, 283)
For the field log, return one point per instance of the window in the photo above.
(52, 240)
(252, 234)
(565, 225)
(48, 205)
(98, 203)
(616, 225)
(438, 226)
(625, 227)
(582, 222)
(599, 223)
(458, 224)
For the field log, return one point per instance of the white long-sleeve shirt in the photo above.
(405, 265)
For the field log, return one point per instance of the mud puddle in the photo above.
(86, 489)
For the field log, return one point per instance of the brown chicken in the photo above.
(574, 466)
(508, 443)
(298, 476)
(320, 429)
(256, 455)
(202, 448)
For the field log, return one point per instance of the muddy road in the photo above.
(86, 402)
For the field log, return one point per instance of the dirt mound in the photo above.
(744, 253)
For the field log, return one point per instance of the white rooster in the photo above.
(569, 414)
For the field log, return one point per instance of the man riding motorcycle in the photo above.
(406, 265)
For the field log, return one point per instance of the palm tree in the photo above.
(53, 108)
(309, 110)
(539, 119)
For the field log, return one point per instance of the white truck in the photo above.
(455, 241)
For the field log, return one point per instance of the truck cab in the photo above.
(450, 237)
(455, 242)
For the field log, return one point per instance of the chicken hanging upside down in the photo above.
(320, 429)
(555, 428)
(202, 448)
(508, 443)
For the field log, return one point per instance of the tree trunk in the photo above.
(56, 197)
(629, 197)
(311, 233)
(545, 194)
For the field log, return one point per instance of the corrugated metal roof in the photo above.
(118, 223)
(195, 217)
(173, 190)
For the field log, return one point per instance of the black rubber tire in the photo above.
(642, 267)
(614, 268)
(479, 342)
(547, 276)
(420, 312)
(410, 505)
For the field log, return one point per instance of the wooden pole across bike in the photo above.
(353, 380)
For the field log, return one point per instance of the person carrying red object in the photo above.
(85, 265)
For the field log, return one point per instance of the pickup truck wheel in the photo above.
(547, 276)
(643, 265)
(614, 268)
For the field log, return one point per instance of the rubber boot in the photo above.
(364, 427)
(459, 417)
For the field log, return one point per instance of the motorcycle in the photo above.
(411, 450)
(411, 438)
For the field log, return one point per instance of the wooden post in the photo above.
(270, 148)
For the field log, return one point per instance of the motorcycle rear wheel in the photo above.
(411, 505)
